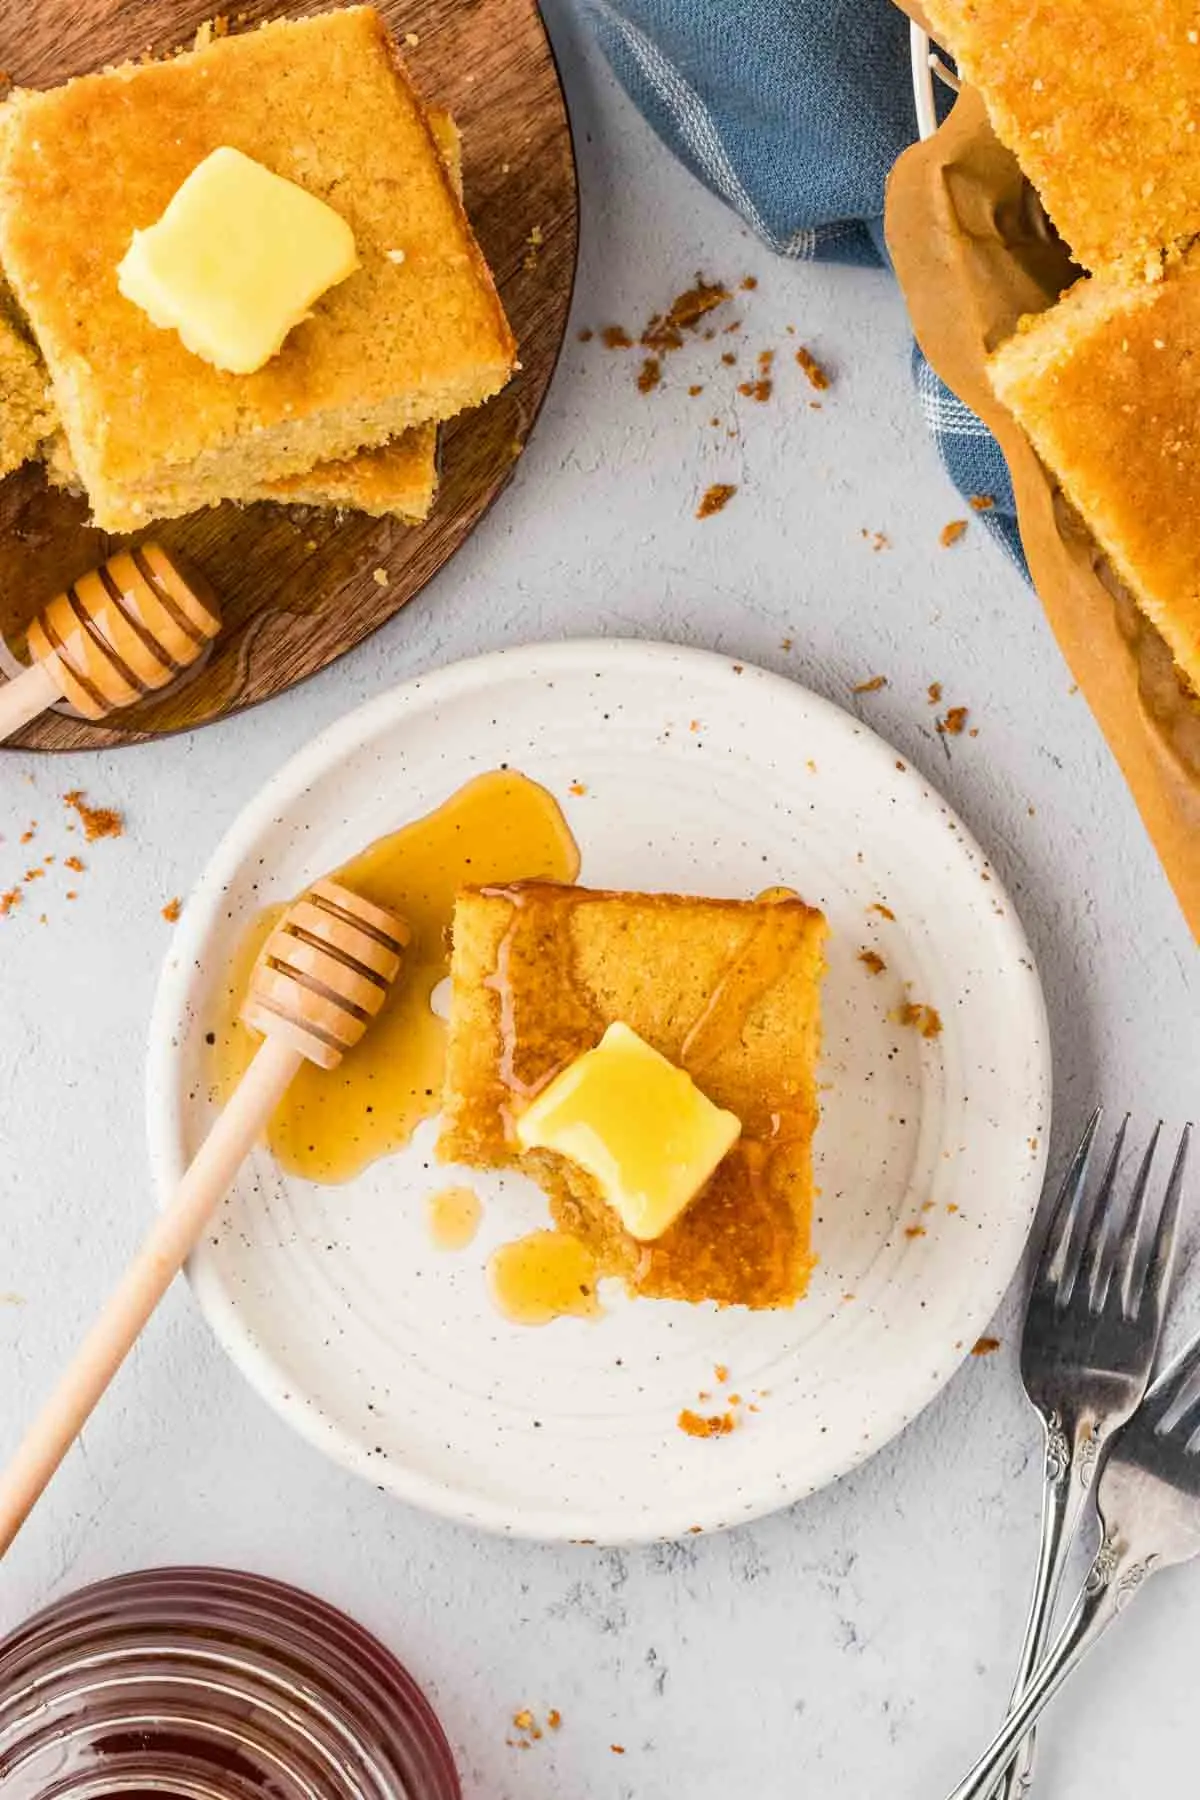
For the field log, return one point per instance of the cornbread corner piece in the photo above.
(1101, 106)
(1107, 387)
(729, 990)
(324, 102)
(26, 409)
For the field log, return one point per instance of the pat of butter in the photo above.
(637, 1124)
(236, 261)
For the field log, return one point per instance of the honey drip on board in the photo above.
(453, 1215)
(543, 1276)
(499, 828)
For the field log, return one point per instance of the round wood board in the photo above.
(298, 586)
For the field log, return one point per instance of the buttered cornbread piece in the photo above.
(323, 102)
(398, 479)
(640, 1127)
(727, 990)
(1107, 386)
(237, 261)
(1101, 106)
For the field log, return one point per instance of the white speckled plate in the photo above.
(388, 1354)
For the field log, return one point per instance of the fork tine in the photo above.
(1066, 1208)
(1148, 1274)
(1169, 1387)
(1133, 1251)
(1097, 1248)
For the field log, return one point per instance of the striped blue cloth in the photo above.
(792, 112)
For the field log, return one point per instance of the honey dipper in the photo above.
(118, 633)
(320, 979)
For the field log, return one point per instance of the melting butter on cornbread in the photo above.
(727, 990)
(638, 1125)
(236, 261)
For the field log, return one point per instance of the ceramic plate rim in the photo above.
(180, 976)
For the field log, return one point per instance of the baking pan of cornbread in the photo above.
(976, 255)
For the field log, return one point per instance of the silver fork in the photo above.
(1149, 1502)
(1092, 1327)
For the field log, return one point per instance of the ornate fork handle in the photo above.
(1072, 1456)
(1116, 1575)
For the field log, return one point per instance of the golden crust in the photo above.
(539, 971)
(1107, 386)
(1101, 106)
(155, 431)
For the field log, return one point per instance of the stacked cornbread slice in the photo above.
(346, 413)
(1101, 106)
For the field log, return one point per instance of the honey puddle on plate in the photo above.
(501, 827)
(543, 1276)
(453, 1215)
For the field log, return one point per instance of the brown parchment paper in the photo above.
(973, 251)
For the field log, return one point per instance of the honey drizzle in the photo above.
(453, 1216)
(543, 1276)
(500, 827)
(749, 974)
(534, 1049)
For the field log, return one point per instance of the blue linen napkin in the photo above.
(792, 112)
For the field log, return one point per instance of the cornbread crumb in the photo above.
(617, 1749)
(554, 1719)
(925, 1019)
(872, 686)
(818, 377)
(394, 256)
(577, 788)
(985, 1346)
(885, 912)
(715, 498)
(696, 388)
(664, 332)
(649, 375)
(934, 690)
(951, 532)
(586, 335)
(380, 577)
(7, 901)
(411, 39)
(97, 821)
(523, 1720)
(721, 1373)
(878, 540)
(698, 1426)
(873, 961)
(981, 502)
(74, 863)
(953, 723)
(749, 283)
(914, 1231)
(172, 910)
(615, 337)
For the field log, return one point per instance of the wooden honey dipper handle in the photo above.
(116, 634)
(25, 697)
(322, 976)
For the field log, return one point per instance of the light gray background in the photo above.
(864, 1641)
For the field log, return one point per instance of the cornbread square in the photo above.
(1107, 386)
(729, 990)
(399, 479)
(26, 409)
(1100, 105)
(324, 102)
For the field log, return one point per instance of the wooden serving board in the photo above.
(298, 586)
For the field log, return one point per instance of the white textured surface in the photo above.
(864, 1641)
